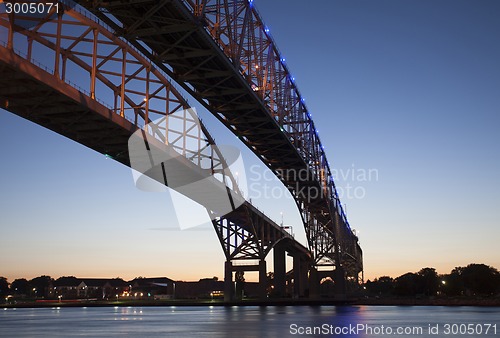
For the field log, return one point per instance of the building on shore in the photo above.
(88, 288)
(140, 288)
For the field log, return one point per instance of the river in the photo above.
(252, 321)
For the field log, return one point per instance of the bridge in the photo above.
(99, 72)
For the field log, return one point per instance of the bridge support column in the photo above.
(313, 283)
(304, 281)
(228, 281)
(299, 276)
(279, 270)
(262, 279)
(340, 283)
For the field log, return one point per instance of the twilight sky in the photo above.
(406, 96)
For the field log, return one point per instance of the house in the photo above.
(115, 286)
(103, 288)
(90, 288)
(157, 287)
(204, 288)
(67, 287)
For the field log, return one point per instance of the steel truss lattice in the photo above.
(73, 74)
(221, 52)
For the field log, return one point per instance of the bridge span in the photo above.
(221, 53)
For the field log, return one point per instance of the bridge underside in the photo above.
(219, 53)
(39, 97)
(221, 75)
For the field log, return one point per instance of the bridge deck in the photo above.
(30, 92)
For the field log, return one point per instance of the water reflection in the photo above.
(230, 322)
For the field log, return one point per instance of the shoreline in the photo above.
(495, 302)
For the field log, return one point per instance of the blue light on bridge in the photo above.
(266, 29)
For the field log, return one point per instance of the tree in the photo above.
(406, 285)
(480, 279)
(41, 285)
(20, 287)
(428, 282)
(453, 282)
(474, 279)
(4, 287)
(382, 286)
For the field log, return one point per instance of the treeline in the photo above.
(472, 280)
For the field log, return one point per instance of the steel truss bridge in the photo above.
(99, 71)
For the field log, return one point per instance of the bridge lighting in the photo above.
(282, 60)
(266, 30)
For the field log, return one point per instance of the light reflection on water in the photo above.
(230, 322)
